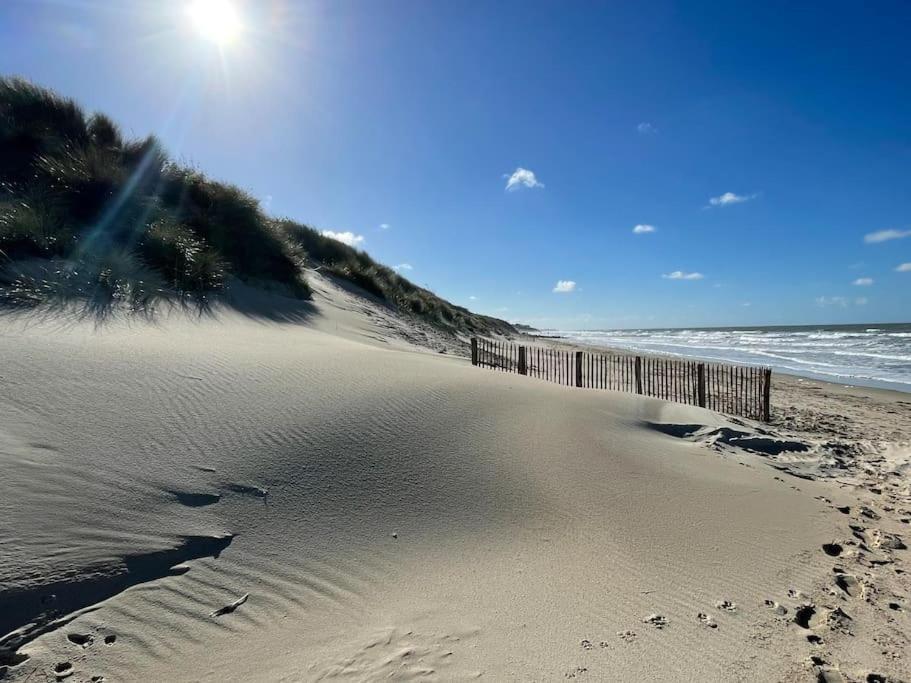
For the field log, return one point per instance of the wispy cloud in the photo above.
(403, 266)
(642, 229)
(385, 226)
(863, 282)
(904, 268)
(885, 235)
(729, 198)
(472, 298)
(520, 178)
(841, 301)
(564, 286)
(346, 237)
(646, 128)
(681, 275)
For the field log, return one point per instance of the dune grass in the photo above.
(88, 215)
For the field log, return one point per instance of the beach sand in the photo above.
(287, 492)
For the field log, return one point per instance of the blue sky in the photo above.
(416, 115)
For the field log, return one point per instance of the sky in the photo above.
(568, 164)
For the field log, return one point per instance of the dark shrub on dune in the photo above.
(72, 189)
(384, 283)
(88, 215)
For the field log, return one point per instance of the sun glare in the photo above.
(215, 20)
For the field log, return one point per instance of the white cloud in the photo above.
(642, 229)
(680, 275)
(267, 203)
(904, 268)
(520, 178)
(886, 235)
(384, 226)
(841, 301)
(564, 286)
(403, 266)
(729, 198)
(863, 281)
(832, 301)
(472, 298)
(346, 237)
(646, 128)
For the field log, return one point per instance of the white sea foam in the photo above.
(857, 354)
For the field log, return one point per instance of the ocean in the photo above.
(877, 355)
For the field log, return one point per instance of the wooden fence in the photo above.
(732, 389)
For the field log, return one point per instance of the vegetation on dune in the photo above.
(359, 268)
(88, 215)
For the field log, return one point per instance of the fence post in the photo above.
(767, 396)
(701, 372)
(523, 362)
(474, 350)
(638, 374)
(578, 368)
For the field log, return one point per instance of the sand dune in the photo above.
(236, 498)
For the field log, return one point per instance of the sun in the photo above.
(215, 20)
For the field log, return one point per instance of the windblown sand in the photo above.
(308, 496)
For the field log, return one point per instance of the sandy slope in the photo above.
(378, 511)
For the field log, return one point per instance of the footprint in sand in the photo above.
(829, 675)
(726, 605)
(779, 609)
(804, 615)
(62, 670)
(575, 673)
(656, 620)
(587, 644)
(848, 583)
(832, 549)
(83, 640)
(110, 639)
(627, 636)
(706, 620)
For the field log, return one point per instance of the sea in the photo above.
(876, 355)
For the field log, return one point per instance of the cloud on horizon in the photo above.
(729, 198)
(346, 237)
(564, 286)
(885, 236)
(841, 301)
(863, 282)
(681, 275)
(520, 178)
(643, 229)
